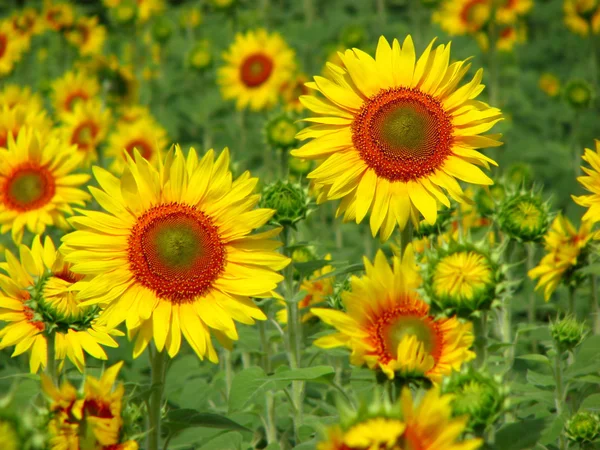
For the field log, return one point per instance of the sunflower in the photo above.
(145, 135)
(428, 425)
(392, 139)
(460, 17)
(550, 84)
(37, 186)
(13, 95)
(257, 64)
(11, 47)
(145, 9)
(133, 113)
(591, 182)
(92, 417)
(58, 16)
(38, 299)
(72, 88)
(509, 11)
(566, 250)
(10, 435)
(582, 16)
(13, 119)
(87, 35)
(388, 326)
(86, 127)
(174, 253)
(27, 23)
(291, 91)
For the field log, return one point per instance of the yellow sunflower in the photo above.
(392, 139)
(174, 253)
(508, 37)
(591, 182)
(91, 419)
(10, 435)
(582, 16)
(144, 134)
(86, 127)
(13, 119)
(27, 23)
(145, 9)
(428, 425)
(38, 299)
(12, 95)
(459, 17)
(564, 245)
(509, 11)
(291, 91)
(388, 326)
(87, 35)
(11, 47)
(71, 88)
(37, 186)
(133, 113)
(257, 65)
(58, 16)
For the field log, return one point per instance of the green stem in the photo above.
(284, 156)
(560, 394)
(158, 367)
(594, 310)
(406, 236)
(572, 301)
(269, 397)
(242, 130)
(531, 311)
(481, 339)
(228, 371)
(381, 11)
(309, 12)
(493, 63)
(51, 367)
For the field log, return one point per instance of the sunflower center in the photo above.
(28, 187)
(403, 134)
(142, 146)
(409, 326)
(3, 44)
(462, 275)
(73, 98)
(175, 251)
(84, 135)
(256, 69)
(475, 13)
(530, 215)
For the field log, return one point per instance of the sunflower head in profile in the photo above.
(72, 88)
(87, 35)
(174, 252)
(12, 46)
(88, 419)
(86, 127)
(37, 184)
(591, 182)
(394, 134)
(425, 424)
(144, 135)
(388, 326)
(257, 65)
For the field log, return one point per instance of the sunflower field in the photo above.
(307, 225)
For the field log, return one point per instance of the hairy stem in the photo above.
(158, 372)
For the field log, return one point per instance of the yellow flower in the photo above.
(591, 182)
(509, 11)
(27, 23)
(174, 253)
(87, 35)
(145, 8)
(37, 186)
(388, 326)
(550, 84)
(71, 88)
(58, 16)
(133, 113)
(91, 419)
(19, 116)
(38, 298)
(11, 47)
(291, 91)
(10, 435)
(564, 245)
(459, 17)
(257, 64)
(144, 134)
(86, 127)
(13, 95)
(394, 134)
(582, 16)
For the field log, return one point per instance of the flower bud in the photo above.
(288, 200)
(579, 93)
(568, 333)
(524, 216)
(280, 131)
(583, 427)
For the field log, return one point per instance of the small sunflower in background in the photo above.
(292, 90)
(524, 216)
(550, 84)
(90, 418)
(143, 10)
(87, 35)
(86, 127)
(257, 64)
(582, 16)
(11, 47)
(71, 88)
(14, 95)
(144, 134)
(37, 184)
(39, 302)
(591, 182)
(460, 17)
(510, 11)
(174, 252)
(579, 93)
(11, 438)
(17, 117)
(58, 15)
(388, 326)
(566, 250)
(27, 23)
(395, 140)
(424, 423)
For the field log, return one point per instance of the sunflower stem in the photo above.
(269, 397)
(158, 372)
(481, 339)
(242, 128)
(309, 12)
(560, 394)
(531, 311)
(594, 311)
(572, 301)
(51, 367)
(228, 371)
(406, 236)
(381, 11)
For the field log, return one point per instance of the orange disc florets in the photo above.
(29, 186)
(256, 69)
(403, 134)
(142, 146)
(175, 251)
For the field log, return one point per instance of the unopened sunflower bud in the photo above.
(583, 427)
(288, 200)
(579, 93)
(568, 333)
(487, 199)
(299, 166)
(162, 29)
(280, 131)
(125, 13)
(200, 57)
(524, 216)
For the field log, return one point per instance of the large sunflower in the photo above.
(38, 299)
(11, 47)
(591, 182)
(174, 253)
(393, 134)
(258, 64)
(388, 326)
(37, 186)
(71, 88)
(86, 127)
(89, 420)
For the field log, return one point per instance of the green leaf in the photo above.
(343, 271)
(305, 374)
(245, 385)
(519, 435)
(591, 402)
(180, 419)
(535, 358)
(307, 268)
(227, 441)
(540, 379)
